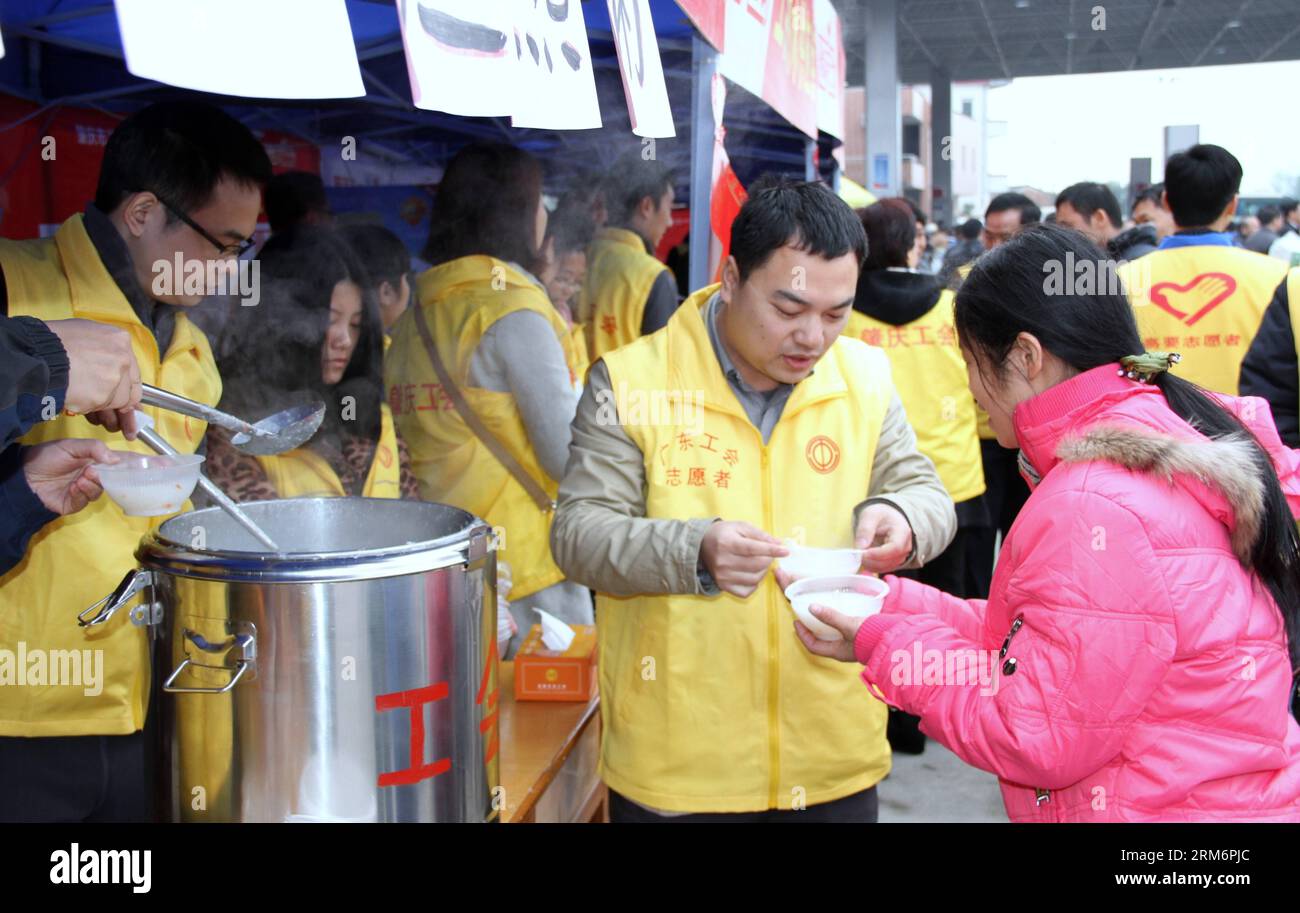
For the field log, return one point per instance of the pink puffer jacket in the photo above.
(1126, 667)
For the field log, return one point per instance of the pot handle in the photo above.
(246, 643)
(135, 581)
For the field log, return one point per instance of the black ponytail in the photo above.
(1031, 285)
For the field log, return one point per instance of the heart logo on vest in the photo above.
(823, 454)
(1197, 298)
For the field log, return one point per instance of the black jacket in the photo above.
(1269, 368)
(33, 365)
(1132, 243)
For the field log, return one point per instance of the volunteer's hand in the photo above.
(60, 474)
(103, 376)
(123, 420)
(738, 555)
(834, 649)
(885, 537)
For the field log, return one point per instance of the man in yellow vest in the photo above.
(746, 421)
(178, 195)
(628, 292)
(1197, 294)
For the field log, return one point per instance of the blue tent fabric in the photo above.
(78, 61)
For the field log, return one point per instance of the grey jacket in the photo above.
(602, 538)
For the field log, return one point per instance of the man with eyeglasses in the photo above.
(180, 181)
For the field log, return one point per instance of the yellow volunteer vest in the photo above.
(461, 300)
(302, 473)
(712, 703)
(930, 376)
(77, 560)
(1205, 302)
(619, 276)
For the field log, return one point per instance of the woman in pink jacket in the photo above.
(1135, 658)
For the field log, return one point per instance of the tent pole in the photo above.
(704, 63)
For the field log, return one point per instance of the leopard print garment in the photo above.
(243, 478)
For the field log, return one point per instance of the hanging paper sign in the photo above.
(641, 68)
(460, 56)
(529, 61)
(249, 48)
(557, 88)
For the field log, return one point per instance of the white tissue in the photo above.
(556, 635)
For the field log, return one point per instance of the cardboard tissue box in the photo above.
(542, 674)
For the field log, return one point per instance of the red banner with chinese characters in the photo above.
(790, 80)
(772, 52)
(728, 195)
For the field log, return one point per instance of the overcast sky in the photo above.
(1062, 129)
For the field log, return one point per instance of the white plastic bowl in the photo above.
(150, 486)
(804, 561)
(857, 596)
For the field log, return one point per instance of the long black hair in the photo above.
(1006, 294)
(487, 204)
(271, 352)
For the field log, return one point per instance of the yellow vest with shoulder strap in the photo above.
(303, 473)
(1205, 302)
(79, 559)
(620, 275)
(711, 704)
(462, 299)
(931, 379)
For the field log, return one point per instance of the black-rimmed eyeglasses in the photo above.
(237, 249)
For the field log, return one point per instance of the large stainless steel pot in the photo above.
(352, 677)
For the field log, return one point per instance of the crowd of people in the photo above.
(1091, 485)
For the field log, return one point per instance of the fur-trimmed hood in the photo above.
(1100, 415)
(1227, 465)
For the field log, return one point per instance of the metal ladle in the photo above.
(159, 444)
(281, 431)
